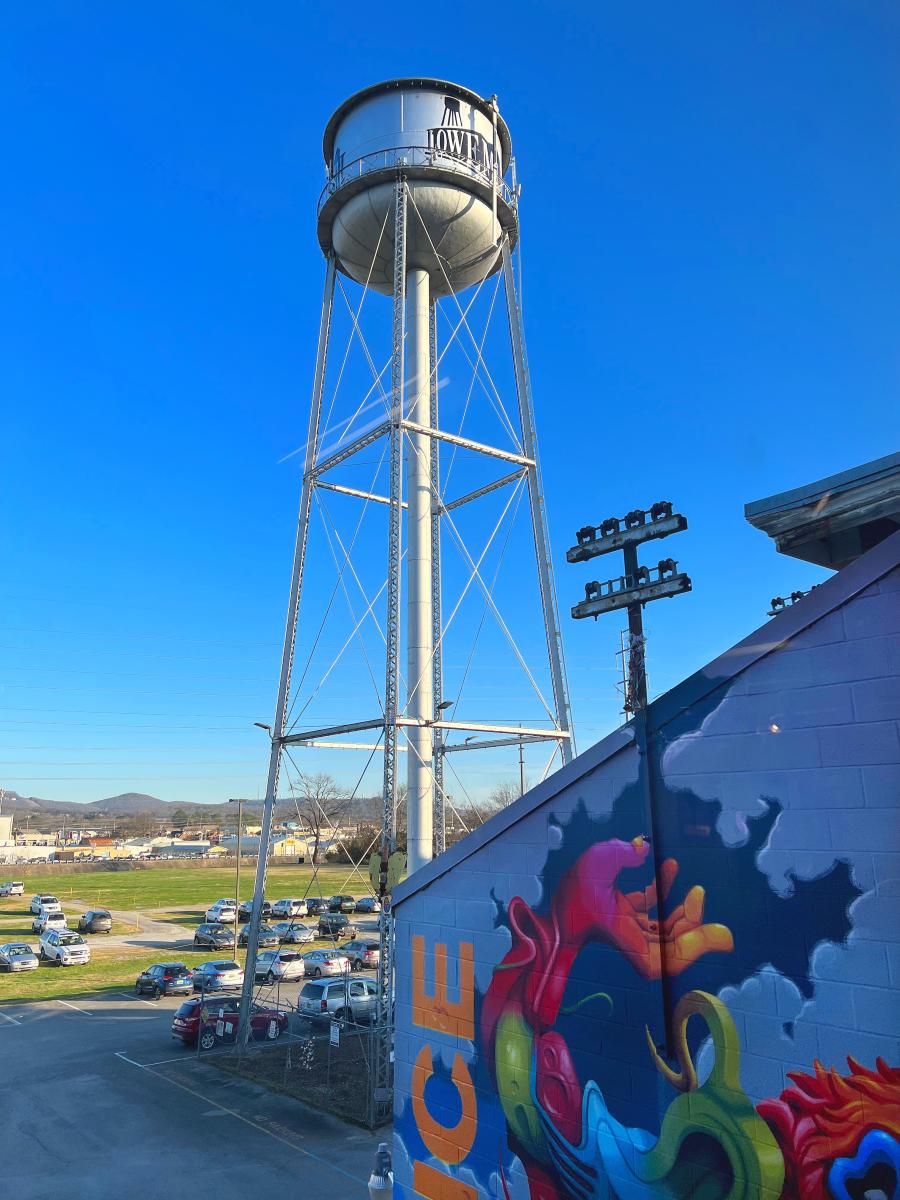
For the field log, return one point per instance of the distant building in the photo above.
(282, 847)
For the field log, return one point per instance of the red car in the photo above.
(222, 1022)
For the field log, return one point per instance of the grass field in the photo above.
(108, 971)
(170, 887)
(155, 891)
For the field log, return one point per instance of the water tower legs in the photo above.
(420, 635)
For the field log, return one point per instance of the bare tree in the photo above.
(506, 792)
(322, 805)
(472, 813)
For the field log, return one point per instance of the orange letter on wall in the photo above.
(434, 1186)
(437, 1012)
(452, 1143)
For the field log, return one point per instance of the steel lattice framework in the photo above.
(392, 728)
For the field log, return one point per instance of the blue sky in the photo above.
(710, 260)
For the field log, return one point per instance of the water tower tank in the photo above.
(454, 148)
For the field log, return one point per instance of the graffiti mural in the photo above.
(674, 978)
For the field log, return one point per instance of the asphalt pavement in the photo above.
(98, 1100)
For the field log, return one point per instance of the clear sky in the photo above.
(710, 258)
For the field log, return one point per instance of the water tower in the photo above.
(420, 205)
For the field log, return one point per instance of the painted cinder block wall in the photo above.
(672, 969)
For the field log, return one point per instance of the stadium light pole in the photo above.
(637, 587)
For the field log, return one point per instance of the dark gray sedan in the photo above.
(267, 936)
(215, 935)
(18, 956)
(95, 920)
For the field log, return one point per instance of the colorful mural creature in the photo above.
(820, 1139)
(837, 1130)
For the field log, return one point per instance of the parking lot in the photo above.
(99, 1100)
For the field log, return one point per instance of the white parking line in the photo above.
(159, 1063)
(121, 1054)
(12, 1020)
(126, 996)
(247, 1121)
(75, 1006)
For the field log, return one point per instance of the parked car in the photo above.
(44, 900)
(294, 932)
(12, 888)
(222, 910)
(49, 919)
(95, 920)
(219, 975)
(325, 962)
(342, 1000)
(368, 904)
(65, 947)
(165, 979)
(218, 937)
(17, 956)
(279, 965)
(336, 925)
(290, 907)
(186, 1022)
(363, 955)
(267, 937)
(245, 911)
(345, 904)
(316, 906)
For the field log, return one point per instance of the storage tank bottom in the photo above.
(450, 233)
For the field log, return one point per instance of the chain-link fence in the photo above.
(327, 1062)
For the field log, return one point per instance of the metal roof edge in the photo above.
(581, 765)
(809, 492)
(827, 597)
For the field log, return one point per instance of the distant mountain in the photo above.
(126, 805)
(13, 802)
(130, 803)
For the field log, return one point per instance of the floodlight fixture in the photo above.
(617, 533)
(628, 590)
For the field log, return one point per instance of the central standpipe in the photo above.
(420, 631)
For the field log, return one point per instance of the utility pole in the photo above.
(521, 767)
(237, 871)
(637, 587)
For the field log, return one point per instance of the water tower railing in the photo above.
(413, 156)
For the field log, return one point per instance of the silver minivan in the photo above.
(345, 999)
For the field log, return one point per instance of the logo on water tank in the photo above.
(451, 139)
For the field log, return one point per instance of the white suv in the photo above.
(12, 889)
(290, 908)
(65, 947)
(49, 919)
(44, 900)
(224, 911)
(279, 965)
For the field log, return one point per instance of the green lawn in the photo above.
(16, 918)
(168, 887)
(108, 971)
